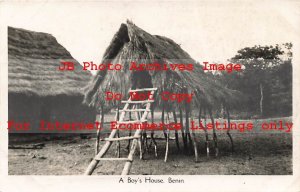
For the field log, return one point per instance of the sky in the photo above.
(210, 31)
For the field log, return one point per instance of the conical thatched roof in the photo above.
(33, 62)
(131, 43)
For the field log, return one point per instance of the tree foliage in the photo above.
(266, 79)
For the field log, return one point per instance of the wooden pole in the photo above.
(182, 130)
(167, 139)
(128, 145)
(228, 131)
(163, 120)
(261, 100)
(137, 116)
(152, 134)
(187, 126)
(118, 133)
(214, 132)
(100, 118)
(176, 132)
(206, 134)
(195, 145)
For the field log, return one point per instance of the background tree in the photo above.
(266, 79)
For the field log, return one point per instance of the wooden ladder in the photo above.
(135, 137)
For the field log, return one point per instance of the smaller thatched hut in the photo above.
(37, 89)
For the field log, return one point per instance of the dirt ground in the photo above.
(256, 153)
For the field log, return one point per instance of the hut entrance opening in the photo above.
(140, 80)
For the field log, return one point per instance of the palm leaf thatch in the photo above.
(33, 62)
(131, 43)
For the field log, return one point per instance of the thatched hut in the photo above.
(37, 89)
(131, 43)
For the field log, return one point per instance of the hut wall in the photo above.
(22, 108)
(32, 109)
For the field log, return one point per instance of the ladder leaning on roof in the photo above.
(135, 137)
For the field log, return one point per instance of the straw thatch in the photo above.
(33, 61)
(131, 43)
(37, 89)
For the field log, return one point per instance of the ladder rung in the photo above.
(143, 101)
(120, 139)
(144, 89)
(135, 110)
(112, 159)
(129, 122)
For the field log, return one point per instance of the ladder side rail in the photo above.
(127, 166)
(106, 146)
